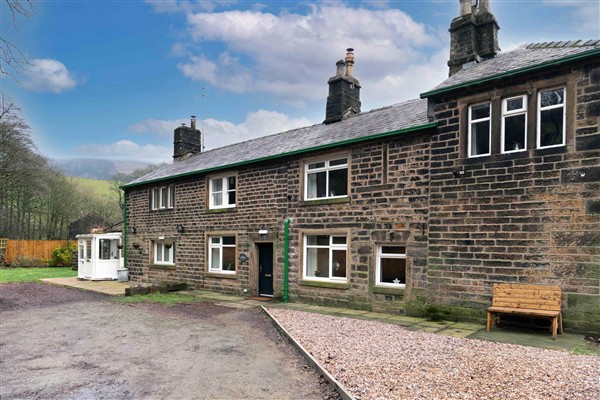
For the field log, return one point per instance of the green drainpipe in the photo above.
(286, 259)
(124, 229)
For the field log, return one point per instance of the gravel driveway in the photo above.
(59, 343)
(383, 361)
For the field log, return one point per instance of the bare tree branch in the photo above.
(12, 58)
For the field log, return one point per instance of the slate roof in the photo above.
(523, 58)
(405, 116)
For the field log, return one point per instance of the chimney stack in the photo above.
(187, 141)
(473, 36)
(344, 91)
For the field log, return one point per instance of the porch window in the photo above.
(514, 124)
(391, 266)
(325, 257)
(326, 179)
(222, 192)
(479, 130)
(221, 254)
(88, 249)
(108, 249)
(164, 253)
(551, 118)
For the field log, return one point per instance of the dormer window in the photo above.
(326, 179)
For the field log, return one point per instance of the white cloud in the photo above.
(127, 149)
(292, 55)
(586, 15)
(218, 133)
(47, 75)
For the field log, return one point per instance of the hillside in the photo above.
(101, 188)
(95, 168)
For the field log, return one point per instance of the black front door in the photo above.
(265, 269)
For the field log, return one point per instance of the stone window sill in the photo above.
(329, 285)
(163, 266)
(218, 275)
(388, 290)
(317, 202)
(221, 210)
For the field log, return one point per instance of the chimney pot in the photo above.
(349, 61)
(466, 7)
(193, 122)
(339, 71)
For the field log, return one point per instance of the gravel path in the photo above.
(376, 360)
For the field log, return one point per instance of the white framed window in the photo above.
(88, 249)
(162, 197)
(164, 253)
(514, 124)
(551, 118)
(391, 266)
(108, 249)
(221, 254)
(222, 192)
(480, 128)
(326, 179)
(325, 257)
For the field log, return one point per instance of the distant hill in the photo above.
(95, 168)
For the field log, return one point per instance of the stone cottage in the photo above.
(492, 176)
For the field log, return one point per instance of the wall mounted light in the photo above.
(263, 231)
(459, 173)
(133, 229)
(180, 228)
(136, 245)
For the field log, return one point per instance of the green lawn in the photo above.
(169, 299)
(99, 187)
(33, 274)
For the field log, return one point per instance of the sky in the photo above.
(112, 79)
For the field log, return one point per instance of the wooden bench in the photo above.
(533, 300)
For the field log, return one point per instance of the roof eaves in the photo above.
(531, 68)
(290, 153)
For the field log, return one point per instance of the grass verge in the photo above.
(169, 299)
(34, 274)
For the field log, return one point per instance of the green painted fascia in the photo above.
(291, 153)
(533, 68)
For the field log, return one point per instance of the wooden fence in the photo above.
(39, 249)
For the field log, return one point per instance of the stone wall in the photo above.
(527, 217)
(387, 203)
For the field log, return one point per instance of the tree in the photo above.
(12, 58)
(120, 179)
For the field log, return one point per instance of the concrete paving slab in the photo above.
(437, 324)
(454, 332)
(374, 315)
(354, 312)
(112, 288)
(424, 328)
(565, 341)
(468, 326)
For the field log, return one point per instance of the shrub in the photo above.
(62, 256)
(28, 262)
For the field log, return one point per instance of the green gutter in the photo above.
(533, 68)
(290, 153)
(286, 256)
(124, 229)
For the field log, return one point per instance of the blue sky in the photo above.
(112, 79)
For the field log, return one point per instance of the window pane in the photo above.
(229, 240)
(167, 254)
(480, 142)
(231, 197)
(551, 127)
(317, 262)
(514, 104)
(231, 183)
(317, 240)
(159, 252)
(215, 240)
(338, 182)
(317, 185)
(552, 97)
(316, 165)
(88, 249)
(338, 266)
(217, 185)
(171, 196)
(81, 250)
(338, 240)
(155, 198)
(514, 132)
(104, 245)
(215, 262)
(218, 199)
(163, 197)
(480, 111)
(228, 258)
(393, 250)
(341, 161)
(392, 270)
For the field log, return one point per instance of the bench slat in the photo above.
(527, 311)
